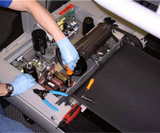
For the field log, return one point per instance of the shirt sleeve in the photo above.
(5, 3)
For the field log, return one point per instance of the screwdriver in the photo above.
(88, 87)
(88, 99)
(69, 73)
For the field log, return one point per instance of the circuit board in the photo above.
(67, 22)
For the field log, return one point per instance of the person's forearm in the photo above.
(45, 19)
(3, 90)
(42, 16)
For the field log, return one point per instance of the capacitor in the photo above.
(88, 24)
(39, 39)
(58, 83)
(62, 77)
(31, 69)
(48, 85)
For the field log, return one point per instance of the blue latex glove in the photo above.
(69, 53)
(22, 82)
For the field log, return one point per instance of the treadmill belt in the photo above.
(127, 91)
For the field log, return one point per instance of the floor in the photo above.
(14, 114)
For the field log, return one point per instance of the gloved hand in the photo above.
(22, 82)
(69, 53)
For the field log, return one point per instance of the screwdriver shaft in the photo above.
(69, 73)
(89, 99)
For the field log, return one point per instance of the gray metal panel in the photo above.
(32, 113)
(31, 104)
